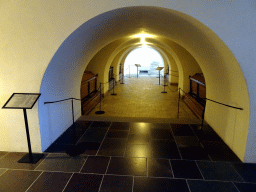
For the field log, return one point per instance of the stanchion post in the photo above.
(122, 78)
(202, 123)
(73, 120)
(113, 87)
(100, 112)
(164, 86)
(159, 77)
(178, 105)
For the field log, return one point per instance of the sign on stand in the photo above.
(25, 101)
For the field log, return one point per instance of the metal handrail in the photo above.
(223, 104)
(218, 102)
(202, 123)
(61, 100)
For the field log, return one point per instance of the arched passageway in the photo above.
(189, 45)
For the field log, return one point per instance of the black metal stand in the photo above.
(164, 87)
(165, 80)
(137, 72)
(202, 123)
(29, 158)
(122, 79)
(113, 87)
(178, 105)
(100, 112)
(159, 77)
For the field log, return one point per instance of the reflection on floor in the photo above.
(134, 156)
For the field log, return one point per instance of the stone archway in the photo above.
(222, 71)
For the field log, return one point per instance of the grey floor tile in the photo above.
(50, 182)
(125, 126)
(138, 138)
(211, 186)
(117, 183)
(246, 187)
(17, 180)
(11, 161)
(84, 182)
(62, 162)
(159, 168)
(117, 134)
(246, 170)
(96, 164)
(94, 134)
(222, 171)
(138, 150)
(159, 185)
(112, 147)
(127, 166)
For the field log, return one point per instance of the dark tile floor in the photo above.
(132, 157)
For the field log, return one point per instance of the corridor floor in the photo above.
(141, 98)
(134, 157)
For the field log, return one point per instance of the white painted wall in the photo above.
(34, 38)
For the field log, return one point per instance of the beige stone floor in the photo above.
(140, 99)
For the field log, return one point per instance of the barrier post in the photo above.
(100, 111)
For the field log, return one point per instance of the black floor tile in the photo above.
(117, 183)
(182, 130)
(83, 124)
(127, 166)
(246, 170)
(84, 182)
(89, 148)
(138, 150)
(50, 182)
(246, 187)
(187, 141)
(219, 151)
(206, 133)
(161, 134)
(194, 153)
(62, 162)
(125, 126)
(96, 164)
(159, 184)
(57, 148)
(100, 124)
(68, 136)
(94, 134)
(165, 149)
(211, 186)
(11, 161)
(159, 126)
(138, 138)
(112, 134)
(17, 180)
(140, 128)
(112, 147)
(222, 171)
(185, 169)
(159, 168)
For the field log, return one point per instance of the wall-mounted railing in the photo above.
(206, 99)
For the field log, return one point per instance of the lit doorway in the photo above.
(148, 58)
